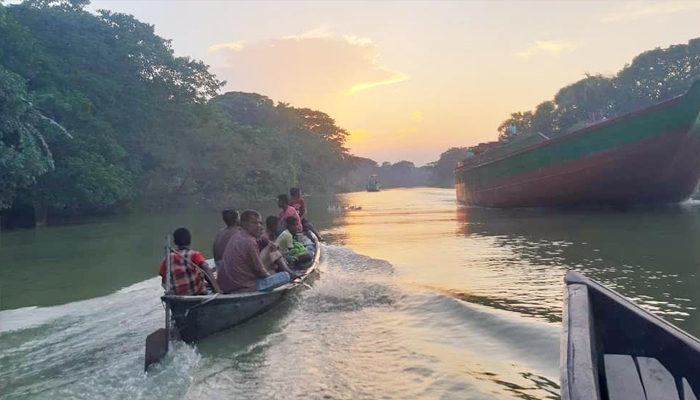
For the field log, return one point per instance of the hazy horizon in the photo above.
(410, 79)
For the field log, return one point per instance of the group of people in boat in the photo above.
(248, 254)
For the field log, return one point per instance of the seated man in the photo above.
(286, 211)
(230, 217)
(189, 270)
(244, 267)
(272, 226)
(297, 201)
(294, 251)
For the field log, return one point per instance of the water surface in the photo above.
(419, 298)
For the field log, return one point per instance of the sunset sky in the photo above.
(410, 79)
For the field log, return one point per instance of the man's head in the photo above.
(282, 201)
(251, 222)
(295, 193)
(230, 217)
(272, 223)
(182, 237)
(292, 225)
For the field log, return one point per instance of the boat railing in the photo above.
(502, 150)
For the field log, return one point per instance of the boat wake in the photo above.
(357, 333)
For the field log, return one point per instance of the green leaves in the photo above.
(24, 154)
(146, 126)
(653, 76)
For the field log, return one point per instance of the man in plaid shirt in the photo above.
(188, 267)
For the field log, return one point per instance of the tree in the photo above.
(652, 77)
(24, 154)
(442, 169)
(72, 5)
(520, 121)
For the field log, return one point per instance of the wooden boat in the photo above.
(197, 317)
(612, 349)
(651, 156)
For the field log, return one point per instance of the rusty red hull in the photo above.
(653, 159)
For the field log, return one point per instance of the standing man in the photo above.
(230, 217)
(244, 267)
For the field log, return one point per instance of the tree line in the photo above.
(98, 116)
(652, 77)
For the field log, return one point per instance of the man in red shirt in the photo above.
(188, 268)
(297, 201)
(286, 211)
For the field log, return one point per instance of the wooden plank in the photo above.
(577, 365)
(622, 378)
(659, 384)
(688, 391)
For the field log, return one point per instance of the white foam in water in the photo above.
(690, 203)
(29, 317)
(91, 349)
(26, 317)
(356, 333)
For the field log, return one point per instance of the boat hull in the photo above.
(600, 328)
(197, 317)
(649, 157)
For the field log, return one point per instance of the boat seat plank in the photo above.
(659, 384)
(622, 378)
(688, 391)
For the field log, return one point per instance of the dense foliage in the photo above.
(652, 77)
(97, 115)
(146, 127)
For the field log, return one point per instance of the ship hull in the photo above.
(653, 159)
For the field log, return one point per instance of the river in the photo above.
(419, 297)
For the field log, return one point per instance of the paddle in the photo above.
(158, 341)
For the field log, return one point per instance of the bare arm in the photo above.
(258, 266)
(210, 276)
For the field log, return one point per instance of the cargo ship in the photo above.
(651, 156)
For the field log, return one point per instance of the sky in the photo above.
(409, 79)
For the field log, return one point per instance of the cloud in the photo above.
(638, 11)
(392, 77)
(553, 47)
(234, 46)
(352, 39)
(311, 65)
(416, 116)
(321, 32)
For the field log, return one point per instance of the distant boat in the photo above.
(650, 156)
(613, 350)
(373, 184)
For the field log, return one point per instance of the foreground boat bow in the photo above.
(612, 349)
